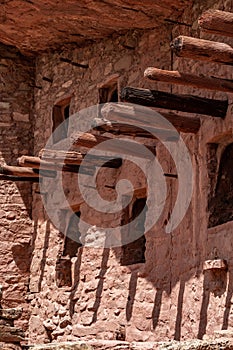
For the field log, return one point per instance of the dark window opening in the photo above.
(61, 113)
(114, 96)
(109, 92)
(70, 249)
(134, 252)
(72, 240)
(64, 272)
(220, 204)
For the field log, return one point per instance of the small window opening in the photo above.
(220, 204)
(134, 252)
(72, 239)
(61, 113)
(70, 249)
(109, 92)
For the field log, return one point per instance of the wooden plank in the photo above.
(217, 22)
(18, 178)
(38, 163)
(24, 172)
(175, 77)
(11, 314)
(76, 158)
(118, 128)
(204, 50)
(10, 334)
(119, 146)
(184, 103)
(138, 117)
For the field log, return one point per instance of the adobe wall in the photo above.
(16, 102)
(167, 297)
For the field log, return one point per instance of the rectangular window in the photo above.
(60, 118)
(70, 250)
(220, 203)
(133, 252)
(108, 92)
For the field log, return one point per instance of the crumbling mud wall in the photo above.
(16, 105)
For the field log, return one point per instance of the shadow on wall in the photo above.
(158, 269)
(169, 259)
(214, 282)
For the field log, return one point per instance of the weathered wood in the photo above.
(76, 158)
(11, 314)
(117, 128)
(175, 77)
(147, 119)
(11, 334)
(24, 172)
(184, 103)
(119, 146)
(17, 178)
(38, 163)
(217, 22)
(205, 50)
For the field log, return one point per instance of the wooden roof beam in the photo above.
(38, 163)
(204, 50)
(142, 119)
(76, 158)
(24, 172)
(119, 146)
(175, 77)
(184, 103)
(217, 22)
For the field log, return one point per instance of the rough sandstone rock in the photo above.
(50, 23)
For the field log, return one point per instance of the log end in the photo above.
(124, 94)
(149, 73)
(206, 16)
(177, 45)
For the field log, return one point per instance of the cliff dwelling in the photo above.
(116, 182)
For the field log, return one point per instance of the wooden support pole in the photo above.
(140, 120)
(76, 158)
(184, 103)
(217, 22)
(119, 146)
(175, 77)
(24, 172)
(38, 163)
(204, 50)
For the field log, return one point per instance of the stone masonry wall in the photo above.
(16, 103)
(167, 297)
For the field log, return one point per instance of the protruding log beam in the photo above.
(204, 50)
(24, 172)
(175, 77)
(184, 103)
(11, 314)
(38, 163)
(76, 158)
(142, 119)
(217, 22)
(11, 334)
(137, 132)
(119, 146)
(17, 178)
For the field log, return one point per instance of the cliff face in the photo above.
(37, 25)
